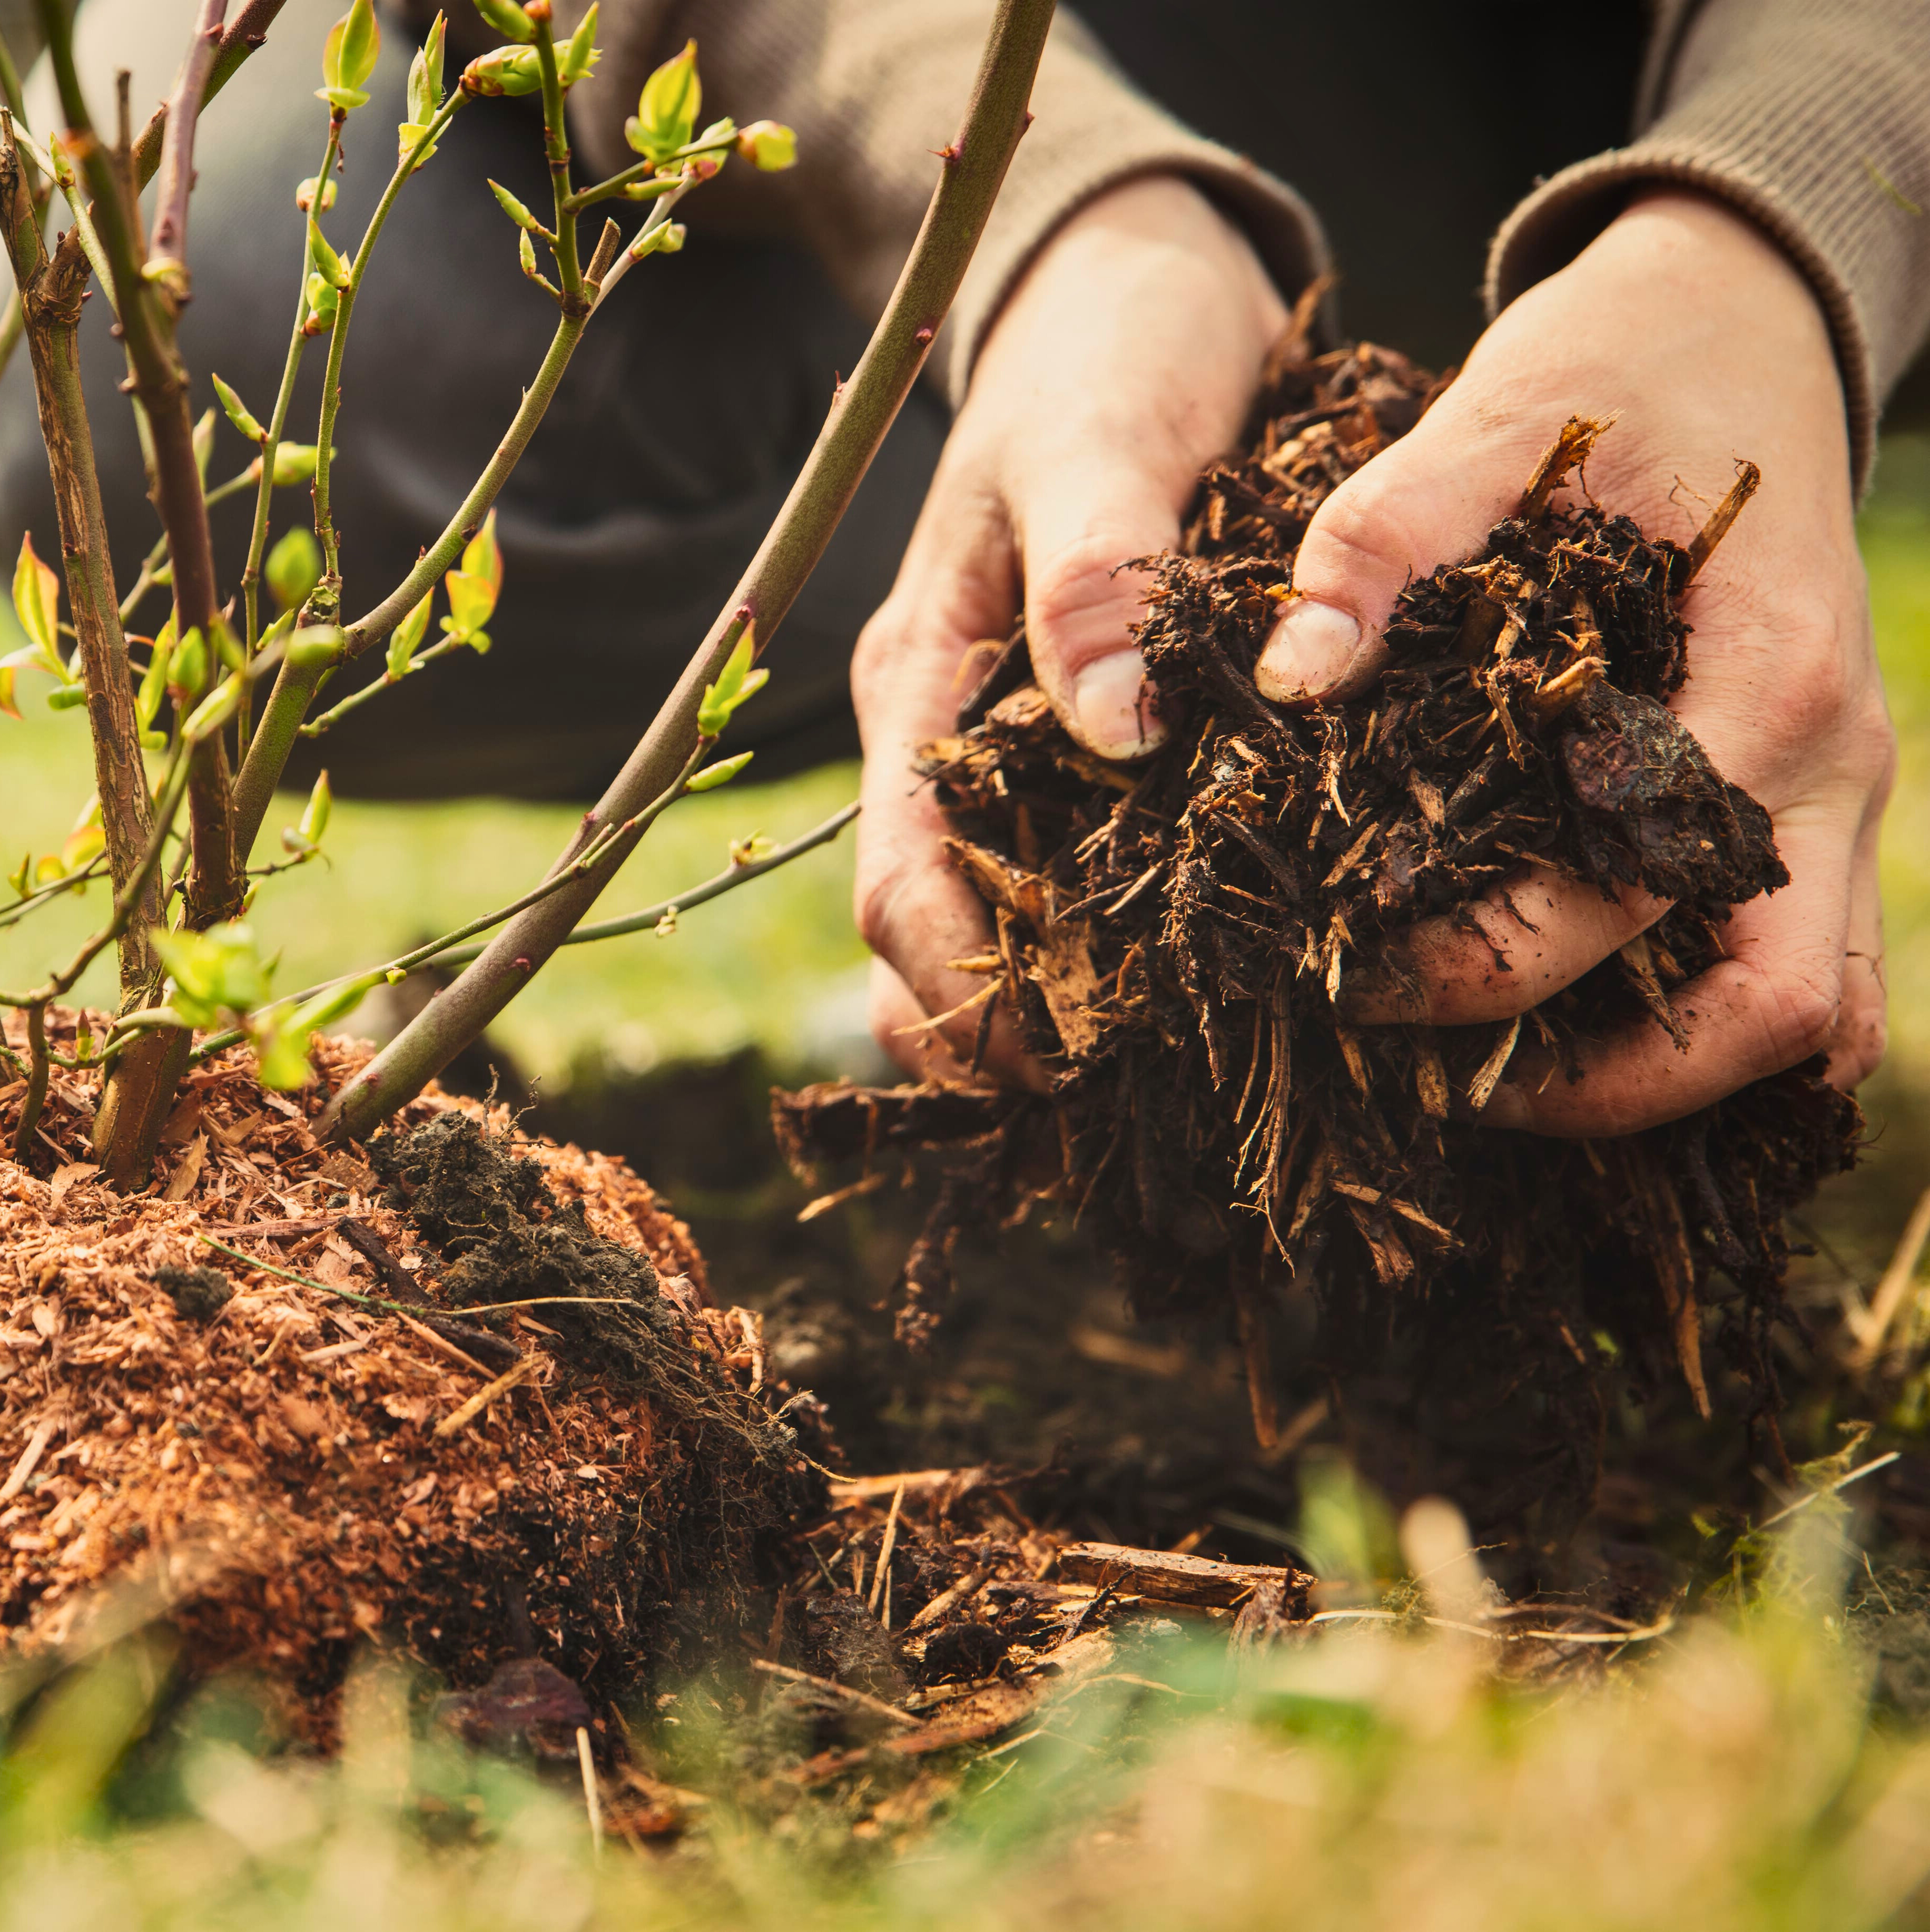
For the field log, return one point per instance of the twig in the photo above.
(593, 1803)
(973, 168)
(1747, 477)
(887, 1548)
(1856, 1475)
(1870, 1328)
(483, 1397)
(30, 1458)
(864, 1702)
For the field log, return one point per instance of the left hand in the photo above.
(1693, 329)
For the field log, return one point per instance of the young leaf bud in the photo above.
(154, 681)
(327, 264)
(315, 814)
(425, 74)
(526, 254)
(482, 557)
(651, 190)
(18, 880)
(294, 568)
(349, 56)
(700, 168)
(407, 133)
(187, 675)
(511, 207)
(315, 645)
(510, 71)
(66, 697)
(305, 194)
(227, 645)
(37, 605)
(406, 638)
(216, 709)
(720, 773)
(666, 238)
(581, 55)
(666, 109)
(321, 316)
(294, 463)
(238, 412)
(769, 144)
(508, 19)
(201, 439)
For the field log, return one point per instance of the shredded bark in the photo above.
(1172, 937)
(286, 1475)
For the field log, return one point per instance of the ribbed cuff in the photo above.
(1811, 119)
(1094, 132)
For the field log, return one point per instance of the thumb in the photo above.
(1078, 527)
(1394, 521)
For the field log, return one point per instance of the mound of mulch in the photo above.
(1172, 936)
(285, 1469)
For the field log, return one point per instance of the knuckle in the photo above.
(1369, 526)
(1076, 579)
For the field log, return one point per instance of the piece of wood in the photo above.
(483, 1397)
(1163, 1576)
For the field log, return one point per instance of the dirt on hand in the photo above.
(1172, 937)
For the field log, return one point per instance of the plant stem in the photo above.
(355, 699)
(326, 600)
(295, 687)
(291, 367)
(447, 951)
(244, 34)
(556, 152)
(147, 310)
(973, 168)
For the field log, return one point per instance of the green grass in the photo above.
(1734, 1777)
(779, 965)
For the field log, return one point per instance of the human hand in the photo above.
(1127, 358)
(1681, 320)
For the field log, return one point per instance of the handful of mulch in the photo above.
(1172, 937)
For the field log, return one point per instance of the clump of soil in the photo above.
(1172, 936)
(491, 1415)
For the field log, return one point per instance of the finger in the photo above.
(898, 1026)
(1418, 504)
(1504, 953)
(1078, 523)
(1775, 1000)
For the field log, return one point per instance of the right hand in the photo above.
(1127, 358)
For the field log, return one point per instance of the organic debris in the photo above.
(1172, 937)
(257, 1406)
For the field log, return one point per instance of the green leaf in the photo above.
(84, 845)
(507, 19)
(425, 74)
(37, 605)
(348, 99)
(581, 55)
(407, 133)
(360, 46)
(238, 412)
(66, 697)
(511, 207)
(294, 568)
(720, 773)
(735, 683)
(666, 238)
(215, 972)
(18, 880)
(216, 709)
(406, 639)
(666, 109)
(7, 704)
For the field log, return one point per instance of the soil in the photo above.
(1172, 938)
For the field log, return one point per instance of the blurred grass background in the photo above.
(779, 966)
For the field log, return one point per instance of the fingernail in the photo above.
(1113, 708)
(1312, 649)
(1507, 1107)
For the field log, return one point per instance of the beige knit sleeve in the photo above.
(1812, 117)
(874, 89)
